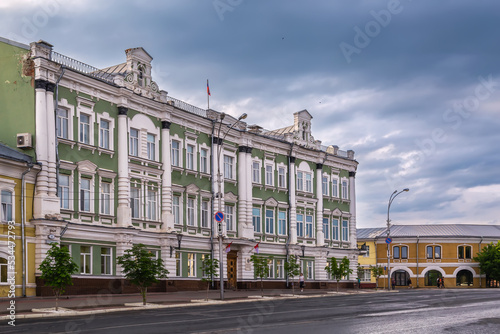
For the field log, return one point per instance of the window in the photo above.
(269, 175)
(324, 184)
(464, 252)
(270, 221)
(404, 252)
(151, 205)
(345, 230)
(256, 219)
(229, 217)
(106, 261)
(281, 177)
(335, 187)
(367, 254)
(309, 227)
(190, 157)
(62, 123)
(6, 205)
(104, 134)
(282, 223)
(84, 129)
(85, 260)
(310, 269)
(175, 153)
(151, 147)
(3, 270)
(85, 195)
(178, 268)
(345, 194)
(134, 143)
(395, 252)
(228, 167)
(280, 268)
(191, 265)
(300, 225)
(437, 252)
(176, 201)
(335, 229)
(190, 211)
(105, 198)
(365, 275)
(64, 191)
(326, 228)
(135, 202)
(300, 181)
(255, 172)
(204, 214)
(204, 160)
(270, 268)
(309, 183)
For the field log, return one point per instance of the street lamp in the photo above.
(220, 142)
(391, 199)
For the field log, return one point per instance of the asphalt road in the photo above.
(408, 311)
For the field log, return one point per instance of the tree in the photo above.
(141, 268)
(376, 271)
(260, 269)
(489, 261)
(210, 268)
(292, 269)
(57, 268)
(338, 270)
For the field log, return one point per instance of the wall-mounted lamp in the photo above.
(179, 240)
(303, 249)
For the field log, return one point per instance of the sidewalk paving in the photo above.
(38, 307)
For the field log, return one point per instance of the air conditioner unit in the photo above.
(24, 140)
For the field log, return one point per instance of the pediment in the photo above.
(192, 189)
(271, 202)
(230, 197)
(86, 166)
(337, 212)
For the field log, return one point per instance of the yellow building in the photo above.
(366, 239)
(17, 263)
(424, 253)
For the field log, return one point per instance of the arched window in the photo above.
(401, 277)
(6, 203)
(431, 277)
(464, 278)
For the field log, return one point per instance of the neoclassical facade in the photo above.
(122, 162)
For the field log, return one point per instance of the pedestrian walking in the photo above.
(393, 282)
(301, 282)
(409, 283)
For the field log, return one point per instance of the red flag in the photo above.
(208, 89)
(228, 247)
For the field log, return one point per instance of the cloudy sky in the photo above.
(413, 87)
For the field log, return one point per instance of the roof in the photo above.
(9, 153)
(369, 233)
(440, 230)
(116, 69)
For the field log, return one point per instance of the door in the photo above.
(231, 270)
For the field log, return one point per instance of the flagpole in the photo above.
(208, 96)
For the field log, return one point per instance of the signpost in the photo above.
(219, 217)
(388, 240)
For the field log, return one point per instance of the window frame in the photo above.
(300, 223)
(282, 215)
(269, 221)
(134, 142)
(256, 220)
(83, 260)
(229, 214)
(135, 202)
(107, 259)
(151, 146)
(84, 195)
(6, 214)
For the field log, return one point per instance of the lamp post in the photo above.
(220, 142)
(391, 199)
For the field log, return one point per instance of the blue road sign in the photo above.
(219, 216)
(388, 240)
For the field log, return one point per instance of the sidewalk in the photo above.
(37, 307)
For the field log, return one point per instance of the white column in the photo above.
(352, 209)
(123, 213)
(41, 146)
(293, 202)
(320, 236)
(245, 229)
(51, 141)
(249, 192)
(166, 186)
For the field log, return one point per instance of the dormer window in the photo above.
(140, 77)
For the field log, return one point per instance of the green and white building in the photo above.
(122, 162)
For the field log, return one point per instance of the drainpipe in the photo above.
(287, 245)
(417, 258)
(213, 199)
(480, 279)
(56, 105)
(23, 237)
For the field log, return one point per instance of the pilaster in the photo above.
(167, 217)
(293, 202)
(123, 213)
(352, 209)
(320, 235)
